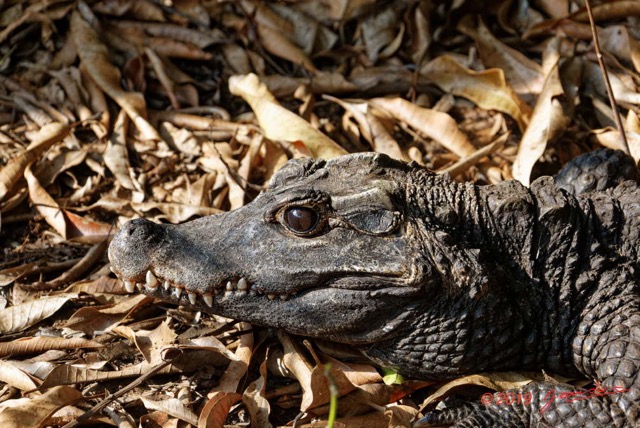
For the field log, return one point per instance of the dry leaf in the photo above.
(436, 125)
(488, 89)
(34, 412)
(20, 317)
(278, 123)
(548, 122)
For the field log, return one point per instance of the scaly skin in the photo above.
(434, 278)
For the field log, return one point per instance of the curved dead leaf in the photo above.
(101, 318)
(45, 204)
(94, 57)
(173, 407)
(277, 122)
(435, 124)
(34, 411)
(610, 137)
(488, 89)
(215, 411)
(548, 122)
(313, 379)
(116, 157)
(14, 376)
(48, 135)
(524, 74)
(496, 381)
(255, 401)
(371, 128)
(20, 317)
(238, 367)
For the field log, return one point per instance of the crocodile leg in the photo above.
(606, 348)
(535, 405)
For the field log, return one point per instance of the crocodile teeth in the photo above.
(242, 284)
(229, 286)
(151, 281)
(192, 297)
(208, 299)
(176, 292)
(283, 297)
(139, 286)
(166, 285)
(112, 269)
(130, 286)
(271, 296)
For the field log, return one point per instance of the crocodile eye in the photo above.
(301, 219)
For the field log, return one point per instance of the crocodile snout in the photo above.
(131, 247)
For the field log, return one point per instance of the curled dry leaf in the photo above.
(216, 409)
(609, 137)
(238, 366)
(102, 318)
(34, 411)
(496, 381)
(17, 378)
(488, 89)
(435, 124)
(20, 317)
(278, 123)
(523, 74)
(548, 122)
(173, 407)
(94, 57)
(255, 401)
(116, 157)
(47, 136)
(313, 379)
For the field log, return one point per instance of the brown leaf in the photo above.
(215, 411)
(548, 122)
(497, 381)
(522, 73)
(434, 124)
(101, 318)
(95, 59)
(255, 401)
(17, 378)
(32, 345)
(34, 411)
(488, 89)
(20, 317)
(14, 169)
(173, 407)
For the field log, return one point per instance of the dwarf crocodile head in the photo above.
(328, 250)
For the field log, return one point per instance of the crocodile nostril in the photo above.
(140, 229)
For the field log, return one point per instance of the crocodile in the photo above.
(431, 277)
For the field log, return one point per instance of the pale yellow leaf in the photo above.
(278, 123)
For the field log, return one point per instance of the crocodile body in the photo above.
(434, 278)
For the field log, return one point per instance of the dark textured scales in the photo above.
(434, 278)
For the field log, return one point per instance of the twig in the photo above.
(72, 274)
(104, 403)
(464, 163)
(612, 99)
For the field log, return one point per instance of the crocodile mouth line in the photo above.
(234, 288)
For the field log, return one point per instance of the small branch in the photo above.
(104, 403)
(612, 100)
